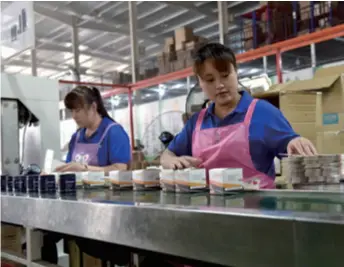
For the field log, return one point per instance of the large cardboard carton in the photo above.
(183, 35)
(314, 108)
(169, 46)
(301, 109)
(11, 238)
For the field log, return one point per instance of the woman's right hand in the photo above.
(182, 162)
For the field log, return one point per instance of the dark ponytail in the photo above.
(100, 104)
(83, 96)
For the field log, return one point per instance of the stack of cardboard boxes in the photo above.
(315, 108)
(11, 237)
(137, 160)
(321, 14)
(177, 53)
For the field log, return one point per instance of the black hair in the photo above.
(222, 57)
(83, 96)
(204, 105)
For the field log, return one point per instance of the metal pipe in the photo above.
(76, 52)
(265, 64)
(279, 66)
(313, 57)
(131, 118)
(254, 28)
(223, 20)
(117, 86)
(312, 17)
(33, 62)
(295, 17)
(134, 52)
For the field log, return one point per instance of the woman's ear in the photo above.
(94, 107)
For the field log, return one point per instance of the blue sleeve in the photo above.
(181, 145)
(70, 148)
(119, 145)
(277, 130)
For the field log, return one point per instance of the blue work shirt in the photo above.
(115, 147)
(269, 132)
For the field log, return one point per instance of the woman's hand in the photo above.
(71, 167)
(301, 146)
(181, 162)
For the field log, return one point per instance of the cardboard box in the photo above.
(314, 108)
(332, 87)
(11, 238)
(183, 35)
(137, 156)
(331, 142)
(301, 109)
(169, 45)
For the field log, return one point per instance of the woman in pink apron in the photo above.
(100, 144)
(235, 130)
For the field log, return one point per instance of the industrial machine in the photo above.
(29, 121)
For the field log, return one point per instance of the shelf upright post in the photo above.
(131, 117)
(279, 66)
(268, 23)
(188, 84)
(254, 28)
(295, 17)
(75, 49)
(223, 20)
(33, 62)
(330, 15)
(312, 17)
(265, 64)
(313, 57)
(134, 54)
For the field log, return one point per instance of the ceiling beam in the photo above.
(191, 6)
(98, 23)
(27, 64)
(61, 48)
(53, 14)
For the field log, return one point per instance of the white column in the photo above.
(265, 64)
(134, 52)
(223, 20)
(75, 49)
(313, 57)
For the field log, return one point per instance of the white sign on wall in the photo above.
(18, 26)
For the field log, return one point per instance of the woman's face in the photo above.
(220, 87)
(83, 117)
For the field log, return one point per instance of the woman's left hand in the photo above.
(301, 146)
(71, 167)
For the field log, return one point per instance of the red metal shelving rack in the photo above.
(268, 50)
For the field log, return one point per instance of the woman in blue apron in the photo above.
(100, 144)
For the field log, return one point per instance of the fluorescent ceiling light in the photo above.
(81, 47)
(67, 55)
(83, 58)
(87, 64)
(122, 67)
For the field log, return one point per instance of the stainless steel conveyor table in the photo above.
(264, 228)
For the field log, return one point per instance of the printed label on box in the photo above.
(330, 118)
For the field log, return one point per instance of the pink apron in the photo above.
(228, 147)
(88, 153)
